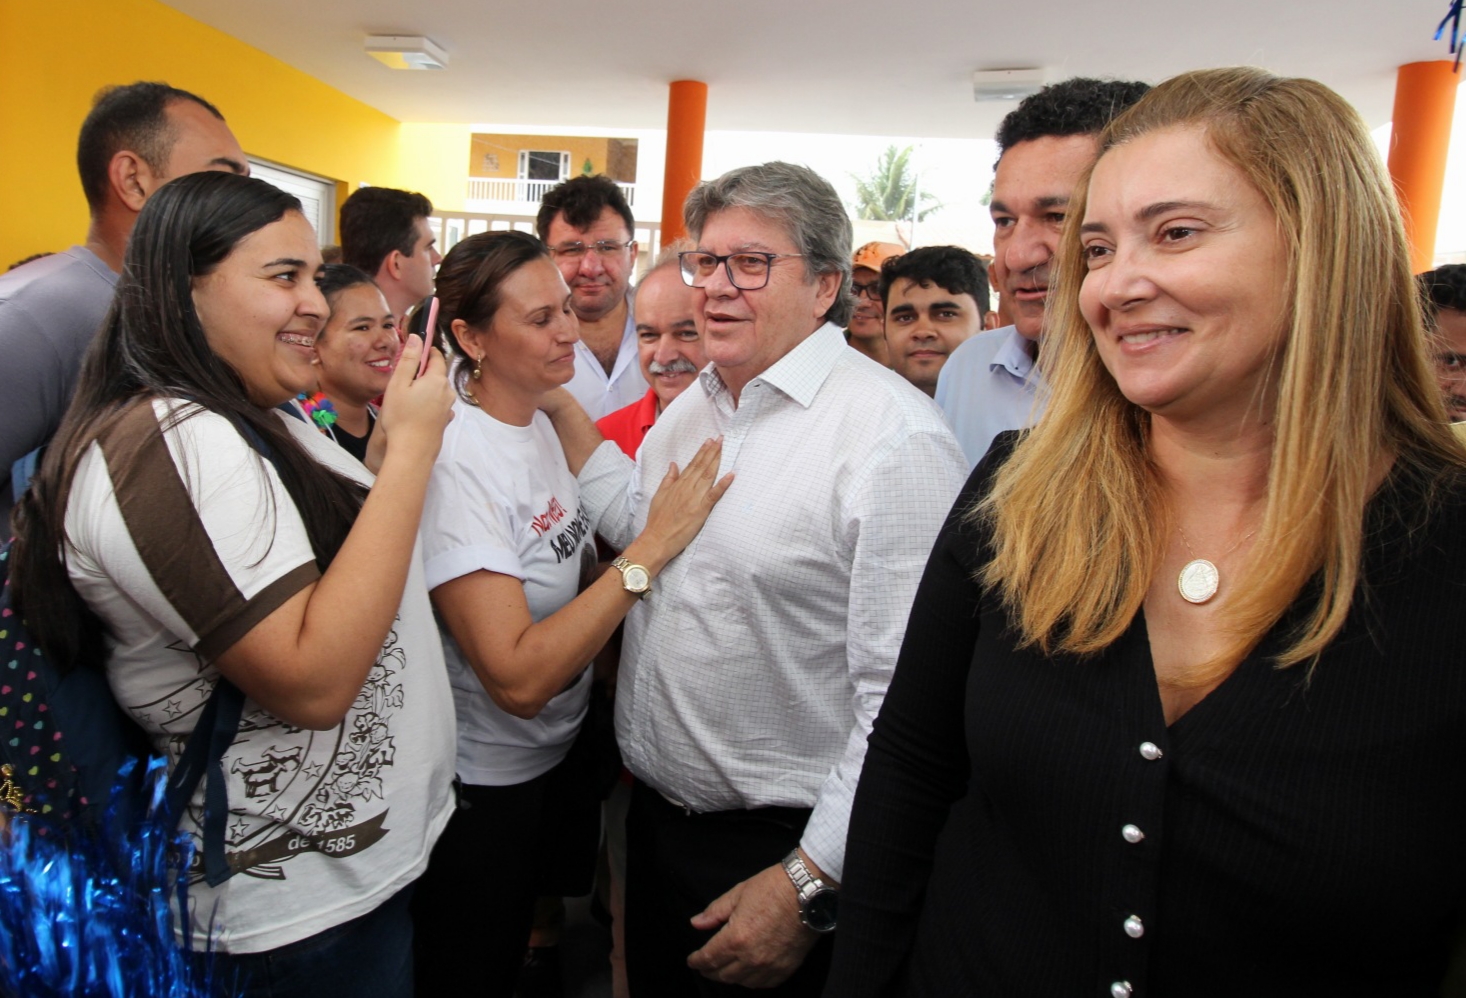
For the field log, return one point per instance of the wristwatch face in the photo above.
(820, 910)
(636, 579)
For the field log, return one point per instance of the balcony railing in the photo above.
(508, 189)
(451, 226)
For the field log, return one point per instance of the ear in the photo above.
(827, 286)
(392, 265)
(635, 248)
(468, 338)
(131, 179)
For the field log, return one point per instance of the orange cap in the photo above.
(872, 255)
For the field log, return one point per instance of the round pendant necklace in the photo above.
(1199, 578)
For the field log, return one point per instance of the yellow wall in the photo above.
(431, 162)
(507, 148)
(57, 53)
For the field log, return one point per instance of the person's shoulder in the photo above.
(977, 351)
(57, 279)
(154, 442)
(619, 419)
(880, 387)
(64, 294)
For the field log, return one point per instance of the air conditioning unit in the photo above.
(1006, 84)
(406, 52)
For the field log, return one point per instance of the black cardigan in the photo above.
(1028, 825)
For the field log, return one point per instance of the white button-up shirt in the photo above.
(599, 393)
(751, 674)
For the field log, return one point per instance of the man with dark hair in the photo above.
(135, 139)
(587, 224)
(751, 674)
(1443, 297)
(385, 233)
(990, 383)
(936, 297)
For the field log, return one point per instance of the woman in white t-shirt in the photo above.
(189, 556)
(510, 560)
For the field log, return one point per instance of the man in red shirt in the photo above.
(670, 349)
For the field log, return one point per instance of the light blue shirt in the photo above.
(989, 385)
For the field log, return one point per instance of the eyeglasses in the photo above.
(574, 251)
(871, 290)
(746, 271)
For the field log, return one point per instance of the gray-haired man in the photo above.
(752, 671)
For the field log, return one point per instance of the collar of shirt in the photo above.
(798, 374)
(626, 354)
(1013, 354)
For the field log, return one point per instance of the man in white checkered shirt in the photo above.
(755, 665)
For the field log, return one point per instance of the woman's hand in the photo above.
(680, 508)
(554, 401)
(416, 410)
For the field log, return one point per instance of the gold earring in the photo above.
(478, 370)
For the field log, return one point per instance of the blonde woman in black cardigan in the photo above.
(1179, 710)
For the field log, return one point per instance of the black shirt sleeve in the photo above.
(917, 762)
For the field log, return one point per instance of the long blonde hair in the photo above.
(1077, 514)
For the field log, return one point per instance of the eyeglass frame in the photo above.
(871, 291)
(725, 259)
(578, 249)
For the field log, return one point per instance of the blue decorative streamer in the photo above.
(1453, 17)
(92, 915)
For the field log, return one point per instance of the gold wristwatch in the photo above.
(635, 579)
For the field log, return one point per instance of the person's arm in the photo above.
(916, 767)
(522, 663)
(610, 482)
(306, 661)
(894, 515)
(577, 431)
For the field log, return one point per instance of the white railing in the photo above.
(451, 226)
(524, 191)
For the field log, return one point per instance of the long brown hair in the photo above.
(1354, 388)
(152, 346)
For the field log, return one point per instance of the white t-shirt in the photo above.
(503, 500)
(182, 539)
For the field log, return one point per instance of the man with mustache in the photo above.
(587, 224)
(990, 384)
(669, 346)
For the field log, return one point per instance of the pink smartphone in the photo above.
(429, 328)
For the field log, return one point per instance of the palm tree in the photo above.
(889, 193)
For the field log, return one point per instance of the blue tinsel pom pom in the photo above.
(92, 913)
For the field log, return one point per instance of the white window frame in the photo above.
(317, 194)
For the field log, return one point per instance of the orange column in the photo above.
(687, 114)
(1425, 103)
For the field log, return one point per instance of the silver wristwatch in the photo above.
(635, 579)
(818, 901)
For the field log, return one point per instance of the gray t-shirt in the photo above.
(49, 311)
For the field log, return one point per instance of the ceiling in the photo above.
(818, 66)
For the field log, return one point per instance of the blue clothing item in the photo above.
(50, 310)
(989, 384)
(367, 957)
